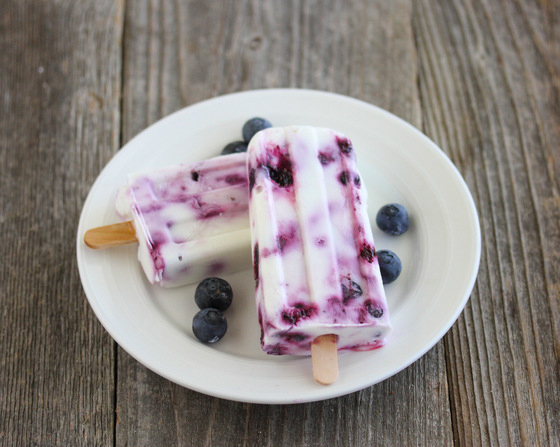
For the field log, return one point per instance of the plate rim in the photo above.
(312, 396)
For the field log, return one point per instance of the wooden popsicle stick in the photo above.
(111, 235)
(325, 359)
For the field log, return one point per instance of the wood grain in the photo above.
(324, 358)
(113, 235)
(79, 79)
(60, 81)
(493, 107)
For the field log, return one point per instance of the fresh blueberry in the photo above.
(254, 125)
(390, 265)
(235, 148)
(393, 219)
(213, 292)
(209, 325)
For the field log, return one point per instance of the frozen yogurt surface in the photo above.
(315, 266)
(191, 220)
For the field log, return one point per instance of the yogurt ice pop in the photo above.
(314, 259)
(191, 221)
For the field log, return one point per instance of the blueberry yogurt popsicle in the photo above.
(191, 221)
(314, 259)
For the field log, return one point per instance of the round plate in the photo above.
(440, 253)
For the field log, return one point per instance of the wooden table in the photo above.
(79, 78)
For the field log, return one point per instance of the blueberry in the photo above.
(213, 292)
(281, 173)
(367, 253)
(299, 311)
(254, 125)
(351, 291)
(282, 177)
(256, 262)
(393, 219)
(209, 325)
(390, 265)
(235, 148)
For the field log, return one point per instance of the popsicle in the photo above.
(191, 221)
(315, 266)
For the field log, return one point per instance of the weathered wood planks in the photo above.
(79, 79)
(489, 88)
(60, 73)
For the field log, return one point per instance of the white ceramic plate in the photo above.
(440, 253)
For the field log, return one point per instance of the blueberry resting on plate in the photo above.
(254, 125)
(393, 219)
(390, 265)
(213, 292)
(235, 148)
(209, 325)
